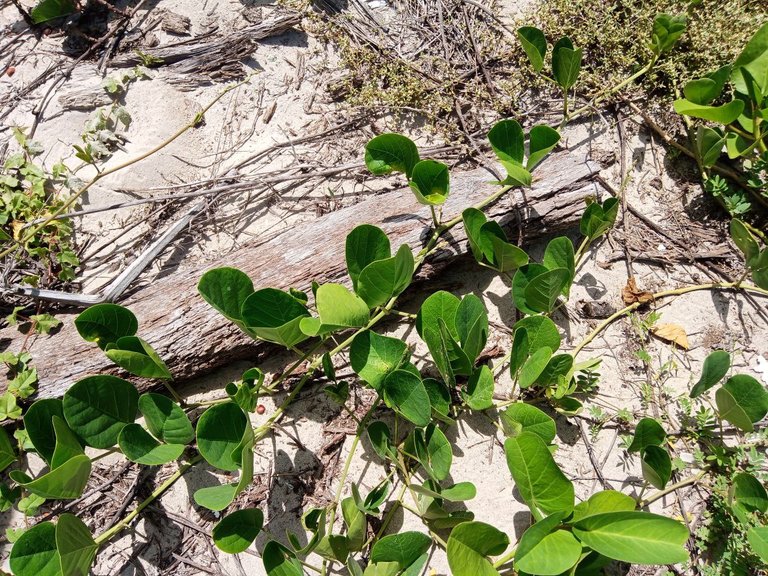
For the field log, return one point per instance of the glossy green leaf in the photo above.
(236, 532)
(64, 483)
(75, 545)
(723, 114)
(716, 366)
(364, 245)
(749, 493)
(137, 357)
(506, 256)
(338, 308)
(373, 357)
(384, 279)
(541, 140)
(566, 64)
(403, 548)
(535, 45)
(602, 502)
(430, 182)
(737, 146)
(356, 523)
(381, 440)
(546, 551)
(471, 322)
(537, 476)
(216, 498)
(433, 451)
(666, 31)
(98, 407)
(46, 10)
(742, 401)
(138, 446)
(405, 393)
(647, 433)
(38, 422)
(559, 254)
(219, 432)
(440, 306)
(705, 90)
(656, 466)
(388, 153)
(534, 366)
(543, 291)
(521, 417)
(480, 387)
(508, 141)
(517, 174)
(7, 453)
(439, 397)
(226, 289)
(635, 537)
(165, 419)
(519, 352)
(541, 331)
(557, 369)
(460, 492)
(753, 59)
(758, 540)
(279, 561)
(275, 316)
(469, 546)
(106, 323)
(598, 218)
(67, 444)
(35, 554)
(520, 282)
(473, 222)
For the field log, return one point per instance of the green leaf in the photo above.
(546, 551)
(106, 323)
(724, 114)
(64, 483)
(405, 393)
(473, 222)
(138, 357)
(439, 397)
(479, 393)
(67, 445)
(758, 540)
(373, 357)
(46, 10)
(165, 419)
(7, 453)
(275, 316)
(742, 400)
(534, 366)
(384, 279)
(38, 422)
(216, 498)
(753, 59)
(391, 153)
(558, 368)
(716, 366)
(537, 476)
(541, 331)
(440, 306)
(236, 532)
(597, 218)
(647, 433)
(226, 289)
(471, 322)
(98, 407)
(517, 175)
(544, 289)
(535, 45)
(219, 433)
(460, 492)
(657, 466)
(338, 308)
(743, 238)
(521, 417)
(469, 546)
(559, 254)
(75, 545)
(566, 64)
(666, 30)
(506, 256)
(749, 493)
(602, 502)
(508, 141)
(541, 140)
(737, 146)
(635, 537)
(520, 282)
(403, 548)
(433, 450)
(279, 561)
(34, 553)
(381, 440)
(709, 145)
(9, 409)
(138, 446)
(705, 90)
(430, 182)
(356, 523)
(364, 245)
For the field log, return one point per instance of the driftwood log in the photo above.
(193, 338)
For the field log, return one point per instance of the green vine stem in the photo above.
(117, 528)
(691, 480)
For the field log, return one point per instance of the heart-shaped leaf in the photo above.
(66, 482)
(544, 289)
(364, 245)
(546, 551)
(521, 417)
(388, 153)
(748, 493)
(383, 279)
(602, 502)
(705, 90)
(724, 114)
(566, 63)
(98, 407)
(275, 316)
(165, 419)
(373, 356)
(226, 289)
(742, 401)
(469, 546)
(753, 59)
(666, 30)
(433, 451)
(220, 431)
(38, 422)
(279, 561)
(34, 553)
(75, 545)
(508, 141)
(559, 254)
(471, 322)
(541, 331)
(106, 323)
(520, 282)
(338, 309)
(534, 366)
(405, 393)
(709, 145)
(236, 532)
(67, 444)
(381, 440)
(598, 218)
(647, 433)
(430, 182)
(541, 140)
(657, 466)
(403, 548)
(480, 387)
(535, 45)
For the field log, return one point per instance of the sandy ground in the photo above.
(299, 466)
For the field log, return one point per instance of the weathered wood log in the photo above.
(194, 339)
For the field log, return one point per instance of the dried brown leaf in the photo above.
(673, 333)
(631, 294)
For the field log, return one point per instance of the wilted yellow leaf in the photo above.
(671, 333)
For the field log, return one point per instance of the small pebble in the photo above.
(10, 71)
(260, 409)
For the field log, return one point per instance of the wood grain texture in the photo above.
(194, 339)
